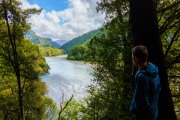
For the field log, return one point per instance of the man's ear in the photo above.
(135, 58)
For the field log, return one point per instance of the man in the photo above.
(144, 105)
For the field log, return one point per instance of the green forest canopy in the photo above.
(81, 40)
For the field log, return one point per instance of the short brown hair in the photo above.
(140, 52)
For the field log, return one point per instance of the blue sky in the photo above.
(50, 5)
(64, 19)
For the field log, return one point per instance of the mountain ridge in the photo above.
(80, 40)
(41, 41)
(61, 42)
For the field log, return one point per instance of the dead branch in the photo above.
(63, 108)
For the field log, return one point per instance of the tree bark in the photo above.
(144, 26)
(14, 60)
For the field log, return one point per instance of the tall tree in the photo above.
(145, 31)
(111, 54)
(15, 20)
(169, 27)
(118, 21)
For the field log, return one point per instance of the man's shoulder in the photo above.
(139, 74)
(140, 77)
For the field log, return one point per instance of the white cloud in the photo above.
(80, 17)
(25, 5)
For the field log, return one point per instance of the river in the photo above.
(66, 77)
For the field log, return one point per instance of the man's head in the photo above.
(139, 55)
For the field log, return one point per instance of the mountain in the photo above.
(61, 42)
(53, 43)
(81, 40)
(43, 42)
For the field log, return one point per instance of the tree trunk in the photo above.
(145, 32)
(14, 60)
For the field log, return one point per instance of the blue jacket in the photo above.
(147, 88)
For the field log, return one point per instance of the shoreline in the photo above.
(64, 58)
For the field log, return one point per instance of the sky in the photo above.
(64, 19)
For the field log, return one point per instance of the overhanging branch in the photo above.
(172, 40)
(169, 7)
(174, 61)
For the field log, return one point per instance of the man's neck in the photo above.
(142, 65)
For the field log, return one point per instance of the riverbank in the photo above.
(64, 58)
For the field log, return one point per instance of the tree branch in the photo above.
(173, 61)
(168, 21)
(63, 108)
(161, 16)
(176, 95)
(4, 56)
(172, 40)
(169, 7)
(174, 76)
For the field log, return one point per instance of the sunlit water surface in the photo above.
(67, 77)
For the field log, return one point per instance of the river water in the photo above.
(66, 78)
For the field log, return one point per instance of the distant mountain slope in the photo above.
(81, 40)
(43, 42)
(53, 43)
(61, 42)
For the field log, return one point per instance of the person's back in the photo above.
(145, 101)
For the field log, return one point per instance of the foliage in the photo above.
(33, 57)
(50, 51)
(107, 97)
(169, 22)
(145, 31)
(36, 105)
(77, 53)
(79, 40)
(108, 50)
(73, 111)
(22, 94)
(111, 55)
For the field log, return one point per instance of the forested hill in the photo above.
(61, 42)
(43, 42)
(84, 39)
